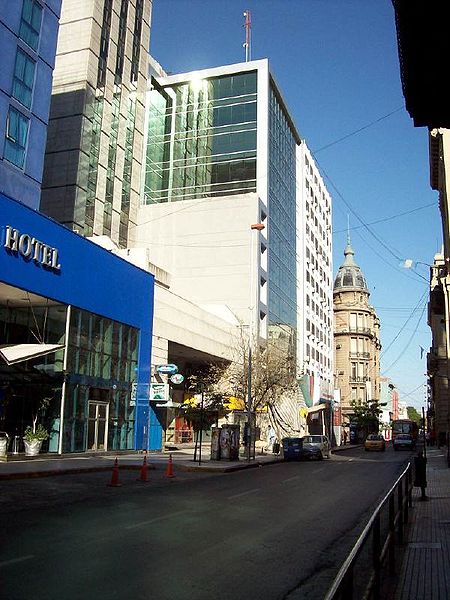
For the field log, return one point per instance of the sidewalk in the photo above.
(425, 571)
(46, 465)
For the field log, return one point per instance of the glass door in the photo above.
(97, 426)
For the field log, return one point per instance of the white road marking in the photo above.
(243, 494)
(290, 478)
(157, 519)
(13, 561)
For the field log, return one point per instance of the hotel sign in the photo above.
(31, 248)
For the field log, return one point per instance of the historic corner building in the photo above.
(74, 345)
(356, 336)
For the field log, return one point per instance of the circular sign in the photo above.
(177, 378)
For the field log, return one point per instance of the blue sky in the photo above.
(336, 63)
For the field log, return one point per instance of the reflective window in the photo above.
(30, 24)
(282, 217)
(16, 137)
(202, 139)
(23, 79)
(102, 358)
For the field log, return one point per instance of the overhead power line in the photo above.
(356, 131)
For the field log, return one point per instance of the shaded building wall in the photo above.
(95, 140)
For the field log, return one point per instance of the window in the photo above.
(23, 78)
(16, 137)
(30, 24)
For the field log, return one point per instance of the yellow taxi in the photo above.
(375, 441)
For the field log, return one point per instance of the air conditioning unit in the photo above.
(340, 372)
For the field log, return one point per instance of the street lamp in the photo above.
(409, 263)
(254, 227)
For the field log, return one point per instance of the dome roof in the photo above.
(349, 274)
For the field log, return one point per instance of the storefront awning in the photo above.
(313, 409)
(19, 352)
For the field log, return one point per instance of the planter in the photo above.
(3, 446)
(32, 447)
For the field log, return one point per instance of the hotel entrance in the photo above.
(97, 426)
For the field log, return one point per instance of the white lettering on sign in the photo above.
(30, 247)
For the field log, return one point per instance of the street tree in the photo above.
(366, 415)
(414, 415)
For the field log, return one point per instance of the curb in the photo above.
(75, 471)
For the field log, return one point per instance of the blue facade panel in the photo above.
(24, 182)
(90, 278)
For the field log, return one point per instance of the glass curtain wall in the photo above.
(282, 265)
(102, 366)
(32, 388)
(201, 139)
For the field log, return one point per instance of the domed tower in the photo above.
(356, 337)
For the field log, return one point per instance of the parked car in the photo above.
(292, 448)
(316, 446)
(375, 441)
(404, 440)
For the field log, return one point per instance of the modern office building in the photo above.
(28, 33)
(95, 138)
(234, 208)
(356, 337)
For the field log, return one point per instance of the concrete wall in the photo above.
(205, 246)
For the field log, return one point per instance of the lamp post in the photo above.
(254, 227)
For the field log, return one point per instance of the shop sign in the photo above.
(167, 369)
(31, 248)
(159, 391)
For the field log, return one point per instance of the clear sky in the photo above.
(336, 63)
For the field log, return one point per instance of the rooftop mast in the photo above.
(248, 35)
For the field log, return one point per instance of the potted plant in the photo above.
(33, 438)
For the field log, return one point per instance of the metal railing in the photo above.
(378, 541)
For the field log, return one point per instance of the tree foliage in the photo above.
(272, 374)
(414, 415)
(366, 415)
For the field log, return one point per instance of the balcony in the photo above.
(359, 354)
(355, 379)
(347, 329)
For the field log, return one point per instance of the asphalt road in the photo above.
(276, 532)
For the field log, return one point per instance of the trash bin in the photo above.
(292, 448)
(4, 437)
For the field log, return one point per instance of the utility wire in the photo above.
(408, 343)
(356, 131)
(408, 212)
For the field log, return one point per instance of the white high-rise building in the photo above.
(222, 155)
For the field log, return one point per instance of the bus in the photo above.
(405, 426)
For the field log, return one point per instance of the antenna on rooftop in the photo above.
(248, 35)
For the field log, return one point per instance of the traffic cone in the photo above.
(169, 470)
(115, 475)
(144, 475)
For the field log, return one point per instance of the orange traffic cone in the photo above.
(115, 475)
(144, 475)
(169, 470)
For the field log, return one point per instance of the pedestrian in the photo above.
(420, 468)
(345, 436)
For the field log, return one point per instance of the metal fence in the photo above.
(373, 558)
